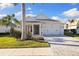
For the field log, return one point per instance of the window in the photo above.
(66, 26)
(36, 29)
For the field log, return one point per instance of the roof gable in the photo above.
(41, 16)
(29, 18)
(36, 18)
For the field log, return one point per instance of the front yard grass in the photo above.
(11, 42)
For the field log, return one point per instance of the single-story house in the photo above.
(41, 25)
(72, 25)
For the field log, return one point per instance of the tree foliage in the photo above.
(9, 20)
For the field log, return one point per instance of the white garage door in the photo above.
(50, 29)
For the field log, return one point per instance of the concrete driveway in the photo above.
(63, 46)
(64, 50)
(61, 40)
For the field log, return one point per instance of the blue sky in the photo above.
(52, 10)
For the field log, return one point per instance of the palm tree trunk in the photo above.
(23, 35)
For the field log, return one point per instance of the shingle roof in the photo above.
(39, 17)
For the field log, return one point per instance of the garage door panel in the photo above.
(51, 29)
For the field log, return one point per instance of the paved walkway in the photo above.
(26, 52)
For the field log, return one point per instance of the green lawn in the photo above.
(77, 38)
(11, 42)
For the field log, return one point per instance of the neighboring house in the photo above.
(72, 25)
(41, 25)
(6, 29)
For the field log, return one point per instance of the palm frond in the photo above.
(16, 21)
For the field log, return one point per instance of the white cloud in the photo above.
(29, 8)
(73, 3)
(32, 15)
(3, 15)
(5, 5)
(71, 13)
(18, 13)
(55, 17)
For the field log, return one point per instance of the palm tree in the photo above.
(23, 35)
(8, 21)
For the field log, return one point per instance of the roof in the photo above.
(40, 17)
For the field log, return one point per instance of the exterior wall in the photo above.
(65, 26)
(52, 28)
(18, 28)
(77, 30)
(4, 29)
(27, 24)
(62, 29)
(49, 28)
(72, 27)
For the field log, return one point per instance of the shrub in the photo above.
(73, 31)
(15, 33)
(40, 39)
(29, 35)
(11, 31)
(4, 34)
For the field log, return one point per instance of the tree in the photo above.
(78, 25)
(72, 21)
(23, 35)
(9, 20)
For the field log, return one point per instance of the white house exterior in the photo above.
(4, 29)
(41, 25)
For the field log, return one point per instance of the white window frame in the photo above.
(39, 28)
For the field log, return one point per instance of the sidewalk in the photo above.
(26, 52)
